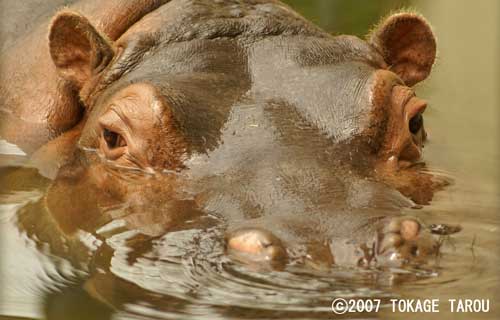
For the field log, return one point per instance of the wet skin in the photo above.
(302, 146)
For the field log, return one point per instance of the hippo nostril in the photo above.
(409, 229)
(254, 244)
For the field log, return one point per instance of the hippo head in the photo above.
(251, 115)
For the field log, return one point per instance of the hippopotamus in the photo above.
(167, 115)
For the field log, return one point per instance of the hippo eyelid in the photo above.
(409, 94)
(120, 115)
(115, 121)
(113, 144)
(112, 132)
(415, 109)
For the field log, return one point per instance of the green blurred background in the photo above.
(352, 17)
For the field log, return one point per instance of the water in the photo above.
(184, 274)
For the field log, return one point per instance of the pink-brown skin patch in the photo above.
(409, 229)
(138, 130)
(251, 245)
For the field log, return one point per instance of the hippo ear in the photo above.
(408, 45)
(78, 50)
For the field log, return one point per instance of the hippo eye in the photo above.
(113, 139)
(416, 123)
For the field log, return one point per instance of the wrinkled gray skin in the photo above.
(250, 116)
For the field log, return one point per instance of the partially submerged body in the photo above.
(303, 146)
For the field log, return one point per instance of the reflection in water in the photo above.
(184, 274)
